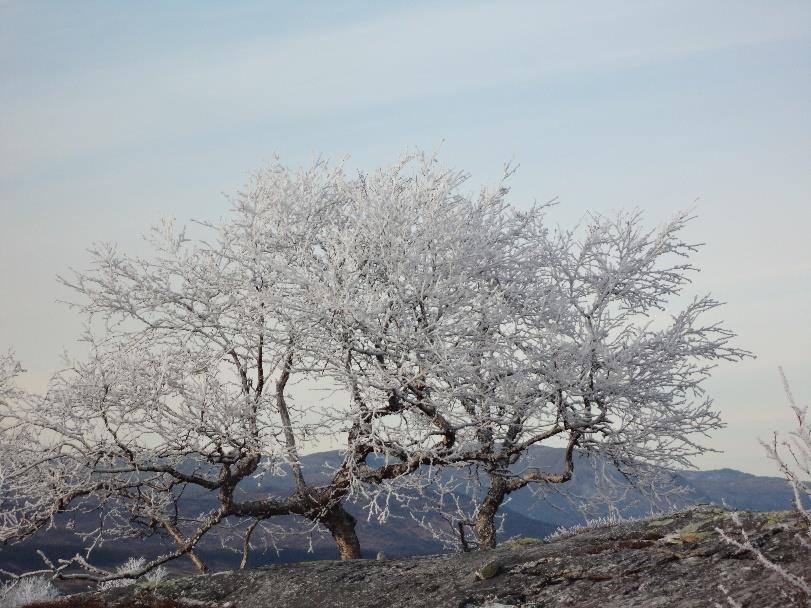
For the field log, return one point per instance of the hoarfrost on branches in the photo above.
(134, 564)
(471, 333)
(454, 330)
(26, 591)
(793, 457)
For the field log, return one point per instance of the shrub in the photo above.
(26, 590)
(134, 564)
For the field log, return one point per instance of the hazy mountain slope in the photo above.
(739, 490)
(527, 515)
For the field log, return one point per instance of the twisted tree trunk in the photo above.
(484, 523)
(341, 525)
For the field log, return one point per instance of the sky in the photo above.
(114, 115)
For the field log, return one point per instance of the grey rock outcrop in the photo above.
(677, 560)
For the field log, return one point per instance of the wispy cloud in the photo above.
(399, 56)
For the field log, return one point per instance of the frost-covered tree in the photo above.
(792, 455)
(471, 333)
(603, 371)
(9, 369)
(187, 383)
(454, 329)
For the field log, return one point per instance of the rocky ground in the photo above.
(678, 560)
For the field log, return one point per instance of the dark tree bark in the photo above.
(460, 530)
(502, 484)
(181, 541)
(484, 524)
(341, 525)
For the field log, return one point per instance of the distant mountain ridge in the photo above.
(526, 515)
(739, 490)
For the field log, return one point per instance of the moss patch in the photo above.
(690, 533)
(488, 571)
(514, 543)
(658, 523)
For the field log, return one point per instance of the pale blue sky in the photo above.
(113, 114)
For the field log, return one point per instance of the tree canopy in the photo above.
(454, 329)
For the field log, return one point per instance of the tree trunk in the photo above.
(178, 538)
(341, 525)
(198, 563)
(484, 524)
